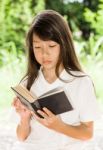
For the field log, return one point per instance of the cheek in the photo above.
(56, 53)
(38, 56)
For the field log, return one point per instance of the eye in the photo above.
(37, 47)
(52, 45)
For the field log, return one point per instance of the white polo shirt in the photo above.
(80, 92)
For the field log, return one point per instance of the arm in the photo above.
(23, 129)
(83, 131)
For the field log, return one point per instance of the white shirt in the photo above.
(80, 92)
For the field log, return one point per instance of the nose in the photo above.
(45, 49)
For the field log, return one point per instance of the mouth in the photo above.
(47, 62)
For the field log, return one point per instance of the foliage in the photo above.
(95, 18)
(91, 50)
(84, 19)
(15, 18)
(10, 75)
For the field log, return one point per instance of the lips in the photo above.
(46, 61)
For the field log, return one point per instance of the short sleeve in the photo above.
(88, 106)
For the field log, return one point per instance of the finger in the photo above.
(43, 114)
(26, 109)
(48, 112)
(41, 120)
(23, 106)
(20, 104)
(36, 116)
(19, 101)
(18, 110)
(15, 98)
(17, 107)
(14, 101)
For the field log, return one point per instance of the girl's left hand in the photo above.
(49, 119)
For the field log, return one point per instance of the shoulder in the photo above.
(82, 79)
(85, 84)
(82, 76)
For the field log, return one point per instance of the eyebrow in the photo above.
(39, 41)
(36, 41)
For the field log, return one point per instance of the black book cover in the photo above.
(56, 102)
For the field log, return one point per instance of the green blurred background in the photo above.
(85, 19)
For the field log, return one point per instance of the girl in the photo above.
(52, 62)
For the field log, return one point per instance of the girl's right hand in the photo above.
(24, 113)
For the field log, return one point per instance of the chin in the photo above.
(48, 66)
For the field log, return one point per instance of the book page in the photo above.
(25, 93)
(51, 92)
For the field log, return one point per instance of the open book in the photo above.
(55, 100)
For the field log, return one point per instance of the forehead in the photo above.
(36, 39)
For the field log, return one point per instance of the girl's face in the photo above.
(46, 52)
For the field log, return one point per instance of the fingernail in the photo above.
(38, 111)
(31, 112)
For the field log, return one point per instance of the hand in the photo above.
(49, 119)
(21, 109)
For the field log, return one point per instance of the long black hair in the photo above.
(50, 25)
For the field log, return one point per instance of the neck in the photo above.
(50, 73)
